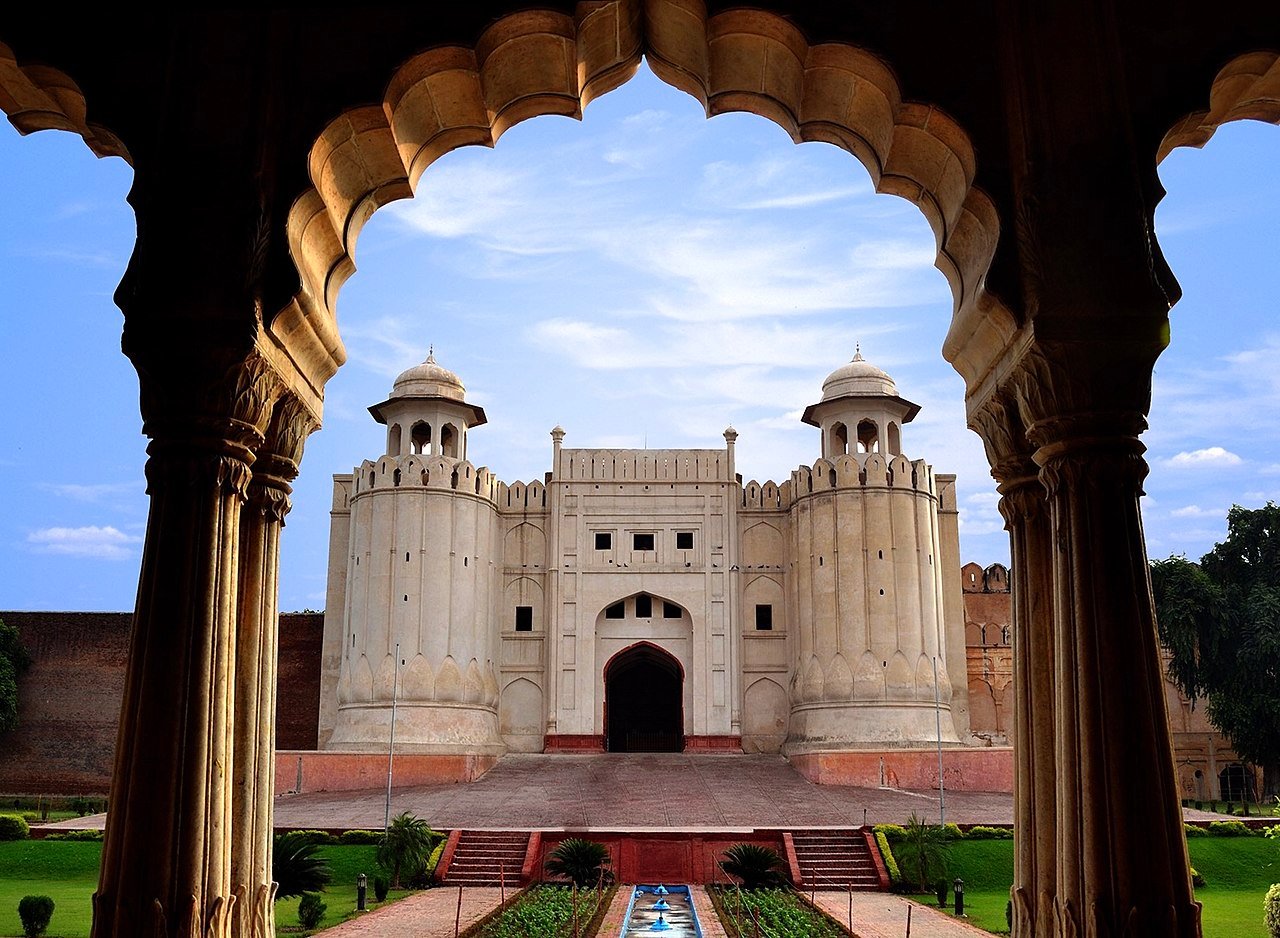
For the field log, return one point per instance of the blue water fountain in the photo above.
(659, 909)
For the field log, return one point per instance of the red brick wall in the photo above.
(68, 702)
(69, 699)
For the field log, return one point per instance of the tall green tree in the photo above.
(13, 661)
(1220, 620)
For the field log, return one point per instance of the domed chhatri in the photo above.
(858, 378)
(428, 379)
(860, 411)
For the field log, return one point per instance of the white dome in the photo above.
(428, 380)
(859, 378)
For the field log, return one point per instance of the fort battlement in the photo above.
(852, 471)
(644, 465)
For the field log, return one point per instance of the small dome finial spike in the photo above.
(857, 351)
(431, 353)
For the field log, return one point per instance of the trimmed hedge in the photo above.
(359, 837)
(1229, 829)
(981, 832)
(894, 833)
(13, 827)
(890, 864)
(953, 831)
(1194, 830)
(35, 912)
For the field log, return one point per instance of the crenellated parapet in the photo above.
(644, 465)
(429, 472)
(766, 496)
(520, 497)
(863, 470)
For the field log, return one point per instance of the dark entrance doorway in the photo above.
(643, 701)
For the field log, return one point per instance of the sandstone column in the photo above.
(255, 669)
(166, 864)
(1022, 502)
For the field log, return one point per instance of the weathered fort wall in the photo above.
(69, 699)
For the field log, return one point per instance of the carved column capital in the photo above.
(279, 457)
(207, 426)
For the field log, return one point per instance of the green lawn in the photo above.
(67, 872)
(1237, 872)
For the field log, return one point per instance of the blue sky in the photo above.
(644, 277)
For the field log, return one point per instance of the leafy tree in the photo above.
(406, 846)
(755, 865)
(1220, 620)
(296, 866)
(582, 861)
(922, 854)
(13, 661)
(311, 910)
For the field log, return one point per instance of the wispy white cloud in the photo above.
(1209, 456)
(93, 492)
(103, 543)
(1195, 511)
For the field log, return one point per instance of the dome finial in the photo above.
(857, 351)
(431, 354)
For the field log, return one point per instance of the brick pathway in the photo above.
(428, 914)
(884, 915)
(638, 791)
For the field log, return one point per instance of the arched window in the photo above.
(393, 440)
(839, 439)
(895, 439)
(420, 438)
(868, 436)
(448, 441)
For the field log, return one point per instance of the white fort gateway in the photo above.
(644, 600)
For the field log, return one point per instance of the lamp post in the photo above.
(958, 888)
(362, 892)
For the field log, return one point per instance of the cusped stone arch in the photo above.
(763, 542)
(539, 62)
(520, 715)
(1244, 89)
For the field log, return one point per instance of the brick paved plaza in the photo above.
(640, 791)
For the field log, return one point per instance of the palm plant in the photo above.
(922, 854)
(405, 846)
(756, 866)
(581, 861)
(296, 866)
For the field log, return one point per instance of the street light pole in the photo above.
(937, 712)
(391, 744)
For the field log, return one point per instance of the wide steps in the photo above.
(835, 860)
(488, 858)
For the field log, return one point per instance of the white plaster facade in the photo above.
(804, 616)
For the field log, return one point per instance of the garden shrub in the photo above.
(359, 837)
(1194, 830)
(1197, 878)
(1271, 911)
(890, 864)
(894, 833)
(1272, 832)
(953, 831)
(12, 827)
(380, 886)
(754, 864)
(311, 909)
(35, 912)
(940, 888)
(1229, 829)
(319, 838)
(981, 832)
(75, 835)
(434, 860)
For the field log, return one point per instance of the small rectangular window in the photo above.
(684, 540)
(642, 542)
(616, 611)
(524, 618)
(644, 606)
(604, 540)
(670, 611)
(764, 617)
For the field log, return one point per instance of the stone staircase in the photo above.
(835, 860)
(480, 855)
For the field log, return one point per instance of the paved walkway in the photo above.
(648, 791)
(428, 914)
(884, 915)
(638, 791)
